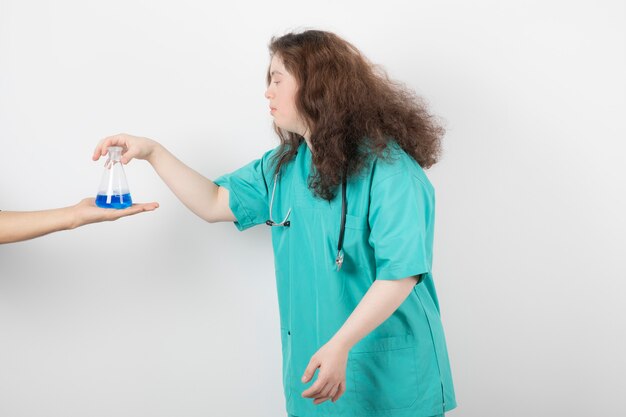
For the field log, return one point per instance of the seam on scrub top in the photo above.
(399, 275)
(394, 175)
(383, 350)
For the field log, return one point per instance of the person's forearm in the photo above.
(195, 191)
(17, 226)
(380, 301)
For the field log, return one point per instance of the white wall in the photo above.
(164, 315)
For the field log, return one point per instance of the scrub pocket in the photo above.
(357, 251)
(385, 373)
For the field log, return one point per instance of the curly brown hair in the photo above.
(351, 108)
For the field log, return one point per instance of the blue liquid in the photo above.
(117, 201)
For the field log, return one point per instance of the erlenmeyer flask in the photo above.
(113, 191)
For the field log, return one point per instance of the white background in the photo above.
(162, 314)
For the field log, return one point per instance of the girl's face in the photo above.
(281, 94)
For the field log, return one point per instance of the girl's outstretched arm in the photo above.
(203, 197)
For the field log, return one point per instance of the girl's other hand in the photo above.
(331, 360)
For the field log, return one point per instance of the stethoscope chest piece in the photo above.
(339, 260)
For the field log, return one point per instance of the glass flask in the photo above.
(113, 191)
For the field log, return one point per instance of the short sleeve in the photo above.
(248, 192)
(401, 216)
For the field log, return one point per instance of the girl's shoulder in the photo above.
(393, 161)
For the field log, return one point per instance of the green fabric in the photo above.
(399, 369)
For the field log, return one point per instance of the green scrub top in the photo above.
(401, 368)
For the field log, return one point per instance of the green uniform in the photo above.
(401, 368)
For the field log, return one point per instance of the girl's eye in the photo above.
(276, 82)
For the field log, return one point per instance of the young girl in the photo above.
(352, 215)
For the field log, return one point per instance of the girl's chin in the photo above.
(285, 129)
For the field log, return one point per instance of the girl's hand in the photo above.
(331, 359)
(133, 147)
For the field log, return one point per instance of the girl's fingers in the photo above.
(315, 389)
(340, 391)
(310, 370)
(129, 155)
(318, 401)
(332, 393)
(102, 148)
(325, 394)
(97, 153)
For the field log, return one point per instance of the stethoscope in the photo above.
(342, 229)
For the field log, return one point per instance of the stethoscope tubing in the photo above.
(342, 229)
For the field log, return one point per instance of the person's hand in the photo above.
(133, 147)
(331, 360)
(87, 212)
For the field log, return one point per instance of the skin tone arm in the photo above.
(17, 226)
(380, 301)
(203, 197)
